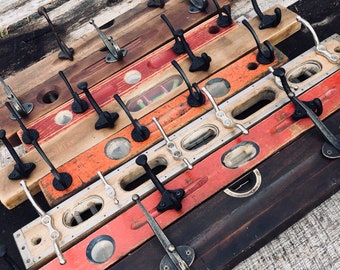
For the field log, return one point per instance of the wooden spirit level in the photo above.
(239, 156)
(58, 151)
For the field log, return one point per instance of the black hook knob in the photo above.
(7, 258)
(106, 119)
(21, 170)
(223, 20)
(139, 133)
(66, 52)
(78, 105)
(171, 199)
(198, 63)
(61, 181)
(264, 56)
(178, 47)
(156, 3)
(315, 105)
(195, 98)
(267, 21)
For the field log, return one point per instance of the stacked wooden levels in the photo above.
(194, 126)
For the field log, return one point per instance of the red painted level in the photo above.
(130, 229)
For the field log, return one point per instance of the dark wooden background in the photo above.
(324, 15)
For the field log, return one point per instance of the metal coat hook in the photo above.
(139, 133)
(105, 119)
(115, 52)
(172, 147)
(177, 257)
(23, 109)
(171, 199)
(267, 21)
(110, 191)
(223, 20)
(66, 52)
(264, 56)
(197, 63)
(21, 170)
(331, 148)
(319, 48)
(61, 181)
(47, 221)
(221, 116)
(195, 98)
(78, 105)
(178, 46)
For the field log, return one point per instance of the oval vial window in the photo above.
(139, 176)
(254, 104)
(100, 249)
(155, 93)
(218, 87)
(304, 71)
(82, 211)
(240, 154)
(117, 148)
(199, 137)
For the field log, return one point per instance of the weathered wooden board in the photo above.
(125, 81)
(224, 231)
(89, 64)
(130, 229)
(57, 151)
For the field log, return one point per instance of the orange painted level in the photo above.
(173, 115)
(130, 229)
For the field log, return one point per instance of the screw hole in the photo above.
(337, 49)
(252, 66)
(36, 241)
(213, 29)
